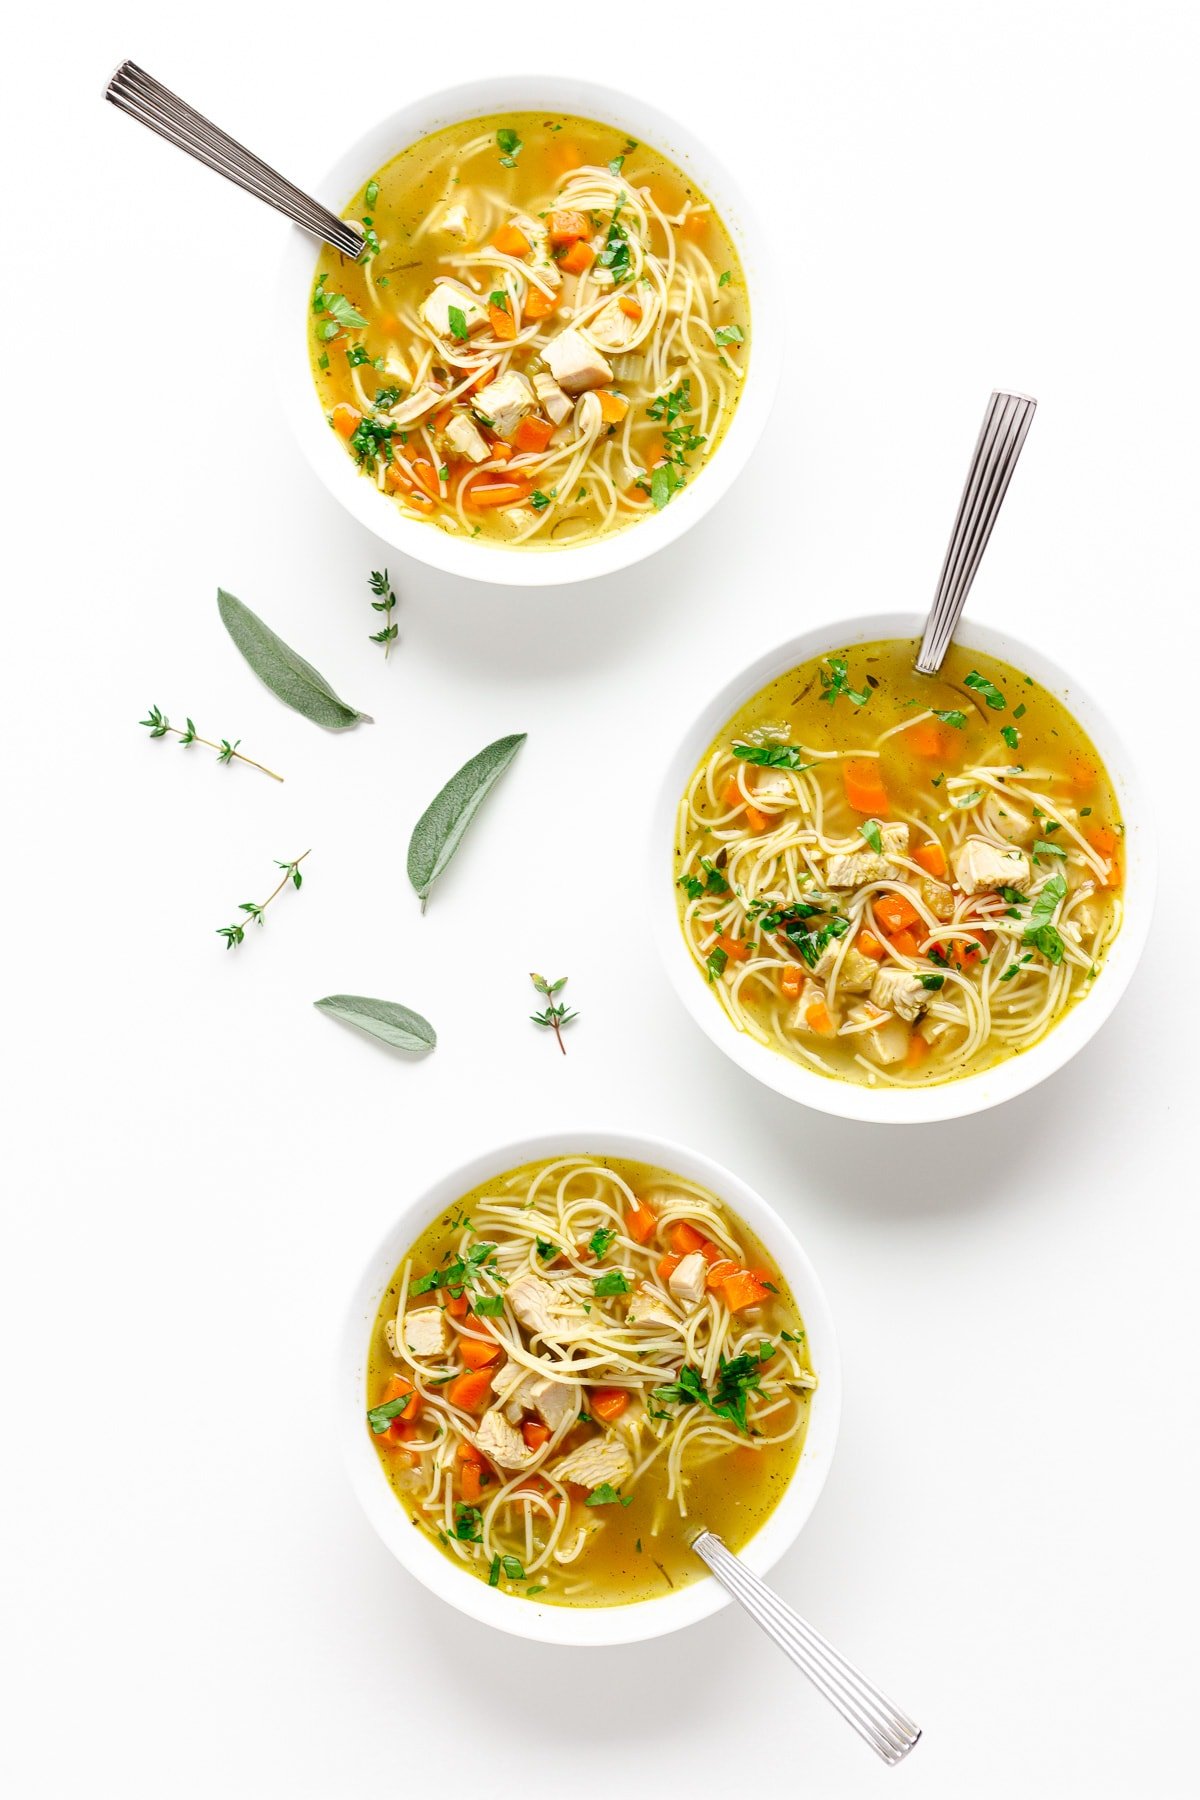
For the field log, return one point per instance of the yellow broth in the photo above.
(546, 481)
(630, 1551)
(977, 763)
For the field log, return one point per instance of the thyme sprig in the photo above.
(159, 725)
(384, 603)
(233, 934)
(557, 1014)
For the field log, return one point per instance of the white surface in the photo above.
(968, 197)
(585, 1626)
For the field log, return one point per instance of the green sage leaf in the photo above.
(438, 832)
(385, 1019)
(280, 668)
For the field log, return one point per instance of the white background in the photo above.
(965, 196)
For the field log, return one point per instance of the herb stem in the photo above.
(287, 876)
(193, 737)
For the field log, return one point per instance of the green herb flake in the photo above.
(870, 833)
(607, 1495)
(600, 1241)
(380, 1417)
(613, 1281)
(458, 323)
(1011, 736)
(987, 689)
(957, 719)
(725, 277)
(510, 146)
(772, 756)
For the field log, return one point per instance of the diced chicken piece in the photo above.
(506, 401)
(612, 329)
(521, 1390)
(501, 1442)
(647, 1309)
(894, 839)
(539, 1306)
(575, 364)
(937, 897)
(687, 1280)
(812, 994)
(823, 967)
(857, 972)
(773, 788)
(980, 867)
(425, 1331)
(597, 1461)
(465, 439)
(553, 402)
(856, 869)
(455, 222)
(435, 310)
(589, 419)
(886, 1040)
(895, 990)
(419, 402)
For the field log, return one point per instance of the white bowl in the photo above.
(971, 1093)
(598, 1624)
(489, 562)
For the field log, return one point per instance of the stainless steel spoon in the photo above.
(890, 1733)
(154, 105)
(1001, 438)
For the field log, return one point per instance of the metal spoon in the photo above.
(890, 1733)
(147, 100)
(1001, 438)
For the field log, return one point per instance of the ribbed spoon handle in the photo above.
(1001, 438)
(155, 106)
(890, 1733)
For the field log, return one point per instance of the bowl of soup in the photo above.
(897, 897)
(561, 342)
(567, 1357)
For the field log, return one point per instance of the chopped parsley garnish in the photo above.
(1011, 736)
(715, 963)
(510, 146)
(772, 756)
(499, 300)
(606, 1495)
(933, 982)
(488, 1306)
(786, 918)
(667, 407)
(957, 719)
(870, 832)
(540, 501)
(713, 883)
(600, 1241)
(1040, 933)
(380, 1417)
(616, 165)
(988, 689)
(458, 323)
(372, 194)
(836, 681)
(665, 482)
(385, 397)
(971, 799)
(344, 316)
(357, 355)
(615, 255)
(735, 1380)
(323, 360)
(1042, 848)
(468, 1523)
(730, 334)
(514, 1569)
(546, 1250)
(613, 1281)
(725, 277)
(370, 439)
(1016, 967)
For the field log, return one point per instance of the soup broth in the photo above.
(574, 1368)
(545, 338)
(895, 878)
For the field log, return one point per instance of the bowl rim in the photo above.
(479, 561)
(585, 1626)
(966, 1094)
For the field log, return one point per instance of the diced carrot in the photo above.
(792, 981)
(964, 953)
(695, 226)
(563, 156)
(894, 912)
(867, 944)
(426, 474)
(613, 407)
(472, 1482)
(720, 1271)
(346, 420)
(685, 1238)
(578, 259)
(503, 324)
(467, 1453)
(442, 419)
(926, 737)
(864, 787)
(501, 452)
(667, 1266)
(731, 793)
(422, 502)
(743, 1290)
(532, 434)
(711, 1252)
(497, 493)
(904, 944)
(397, 1387)
(567, 227)
(477, 1354)
(1102, 838)
(932, 859)
(535, 1433)
(1083, 772)
(510, 240)
(607, 1404)
(641, 1223)
(399, 477)
(918, 1050)
(733, 947)
(484, 379)
(456, 1306)
(817, 1016)
(469, 1390)
(537, 304)
(758, 820)
(629, 306)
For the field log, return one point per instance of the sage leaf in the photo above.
(385, 1019)
(438, 832)
(278, 667)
